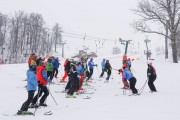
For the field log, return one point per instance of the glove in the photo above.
(49, 80)
(78, 76)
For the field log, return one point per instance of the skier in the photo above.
(151, 74)
(29, 59)
(55, 62)
(91, 67)
(49, 69)
(129, 63)
(74, 81)
(39, 60)
(125, 82)
(108, 69)
(42, 88)
(80, 71)
(31, 88)
(85, 67)
(66, 70)
(132, 80)
(32, 60)
(102, 66)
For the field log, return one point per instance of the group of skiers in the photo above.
(128, 75)
(39, 74)
(78, 73)
(42, 71)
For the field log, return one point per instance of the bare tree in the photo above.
(3, 31)
(23, 34)
(159, 11)
(57, 37)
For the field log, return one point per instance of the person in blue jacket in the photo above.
(102, 66)
(132, 80)
(56, 64)
(42, 86)
(91, 67)
(80, 71)
(31, 88)
(129, 63)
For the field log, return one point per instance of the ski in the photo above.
(137, 94)
(59, 83)
(25, 114)
(87, 97)
(87, 93)
(60, 91)
(48, 113)
(5, 114)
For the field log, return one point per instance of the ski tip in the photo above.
(48, 113)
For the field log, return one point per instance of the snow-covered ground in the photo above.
(107, 102)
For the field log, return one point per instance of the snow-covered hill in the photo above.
(107, 102)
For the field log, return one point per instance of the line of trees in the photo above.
(23, 34)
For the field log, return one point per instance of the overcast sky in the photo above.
(99, 18)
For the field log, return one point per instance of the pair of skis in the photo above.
(27, 113)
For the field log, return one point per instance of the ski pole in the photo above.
(112, 75)
(141, 90)
(39, 89)
(53, 98)
(48, 90)
(97, 70)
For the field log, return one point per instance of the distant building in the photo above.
(116, 50)
(82, 53)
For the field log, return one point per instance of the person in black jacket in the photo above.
(74, 80)
(151, 74)
(108, 69)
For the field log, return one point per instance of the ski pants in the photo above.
(108, 74)
(151, 83)
(74, 86)
(41, 89)
(55, 72)
(26, 104)
(50, 75)
(102, 73)
(132, 85)
(68, 85)
(65, 75)
(91, 73)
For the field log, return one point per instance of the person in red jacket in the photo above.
(42, 88)
(66, 70)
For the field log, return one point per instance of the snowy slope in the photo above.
(107, 102)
